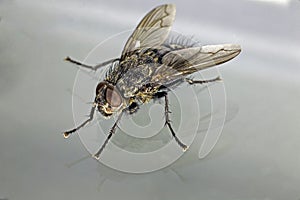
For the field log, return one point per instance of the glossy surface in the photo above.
(257, 156)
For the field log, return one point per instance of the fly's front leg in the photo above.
(91, 116)
(168, 123)
(89, 66)
(111, 132)
(191, 81)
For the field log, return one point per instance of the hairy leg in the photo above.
(191, 81)
(89, 66)
(91, 116)
(111, 132)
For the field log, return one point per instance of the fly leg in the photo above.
(89, 66)
(111, 132)
(91, 116)
(191, 81)
(168, 123)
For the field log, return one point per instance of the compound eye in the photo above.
(113, 97)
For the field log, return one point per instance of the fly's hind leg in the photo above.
(191, 81)
(168, 123)
(90, 66)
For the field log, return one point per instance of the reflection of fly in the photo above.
(150, 64)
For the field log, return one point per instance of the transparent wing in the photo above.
(153, 30)
(183, 62)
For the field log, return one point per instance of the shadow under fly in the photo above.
(150, 65)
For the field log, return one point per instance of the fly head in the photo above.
(108, 99)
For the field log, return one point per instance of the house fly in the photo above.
(151, 64)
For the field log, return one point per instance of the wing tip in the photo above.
(169, 7)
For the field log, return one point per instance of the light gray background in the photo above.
(257, 156)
